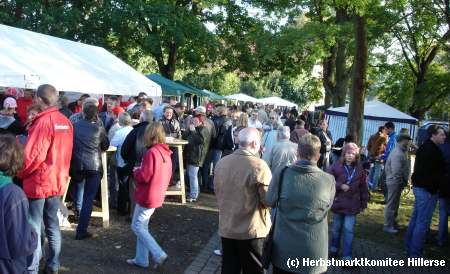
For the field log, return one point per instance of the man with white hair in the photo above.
(241, 181)
(284, 152)
(79, 115)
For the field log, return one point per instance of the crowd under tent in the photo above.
(277, 102)
(29, 59)
(376, 114)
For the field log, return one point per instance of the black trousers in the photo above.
(123, 197)
(242, 256)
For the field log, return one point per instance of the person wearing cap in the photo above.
(351, 198)
(8, 122)
(179, 114)
(107, 117)
(116, 125)
(76, 107)
(397, 169)
(199, 138)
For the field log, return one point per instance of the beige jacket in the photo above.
(241, 181)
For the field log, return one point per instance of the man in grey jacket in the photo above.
(284, 152)
(398, 169)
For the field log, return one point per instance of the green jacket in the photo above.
(301, 228)
(198, 145)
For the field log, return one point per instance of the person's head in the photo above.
(173, 101)
(349, 139)
(381, 129)
(47, 96)
(350, 154)
(390, 127)
(124, 119)
(117, 111)
(32, 111)
(11, 158)
(168, 112)
(90, 112)
(198, 120)
(222, 111)
(309, 148)
(146, 116)
(273, 118)
(283, 133)
(243, 120)
(141, 96)
(111, 103)
(436, 134)
(83, 97)
(300, 124)
(236, 115)
(404, 140)
(9, 106)
(180, 108)
(250, 139)
(132, 99)
(154, 134)
(200, 110)
(323, 125)
(254, 115)
(146, 103)
(90, 101)
(63, 101)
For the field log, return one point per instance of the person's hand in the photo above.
(345, 187)
(191, 127)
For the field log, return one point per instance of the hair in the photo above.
(433, 130)
(274, 114)
(154, 134)
(300, 123)
(166, 108)
(284, 133)
(221, 110)
(254, 111)
(321, 122)
(146, 116)
(90, 100)
(48, 94)
(243, 120)
(349, 138)
(124, 119)
(309, 147)
(34, 107)
(84, 96)
(389, 125)
(381, 128)
(64, 101)
(148, 100)
(349, 146)
(247, 136)
(90, 112)
(11, 158)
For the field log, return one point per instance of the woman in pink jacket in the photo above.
(152, 179)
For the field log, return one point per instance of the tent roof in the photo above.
(196, 91)
(29, 59)
(242, 97)
(169, 87)
(376, 110)
(213, 95)
(277, 101)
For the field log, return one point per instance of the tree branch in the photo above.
(405, 54)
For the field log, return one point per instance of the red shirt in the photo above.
(153, 177)
(47, 154)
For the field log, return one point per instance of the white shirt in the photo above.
(117, 141)
(255, 124)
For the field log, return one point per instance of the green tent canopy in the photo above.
(197, 91)
(214, 96)
(169, 87)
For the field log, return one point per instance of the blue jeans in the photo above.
(77, 194)
(374, 175)
(347, 223)
(206, 172)
(92, 182)
(45, 210)
(216, 155)
(424, 205)
(193, 181)
(145, 242)
(444, 211)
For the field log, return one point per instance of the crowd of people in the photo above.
(275, 173)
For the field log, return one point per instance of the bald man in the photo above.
(241, 181)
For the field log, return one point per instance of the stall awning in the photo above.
(214, 96)
(195, 90)
(29, 59)
(169, 87)
(242, 97)
(277, 101)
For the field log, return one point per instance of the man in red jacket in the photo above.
(46, 169)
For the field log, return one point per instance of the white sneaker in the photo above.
(218, 252)
(390, 230)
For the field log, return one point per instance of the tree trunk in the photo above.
(342, 73)
(329, 72)
(355, 119)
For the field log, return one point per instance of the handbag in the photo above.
(266, 257)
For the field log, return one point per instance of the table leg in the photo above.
(104, 192)
(181, 169)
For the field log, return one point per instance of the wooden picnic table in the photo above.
(178, 143)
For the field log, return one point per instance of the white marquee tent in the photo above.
(243, 98)
(277, 101)
(376, 114)
(29, 59)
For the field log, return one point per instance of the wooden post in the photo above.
(181, 170)
(104, 192)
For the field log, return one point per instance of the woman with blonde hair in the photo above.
(152, 179)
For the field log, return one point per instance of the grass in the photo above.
(369, 225)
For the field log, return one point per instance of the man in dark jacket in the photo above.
(90, 141)
(429, 170)
(444, 194)
(133, 150)
(221, 124)
(170, 124)
(198, 137)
